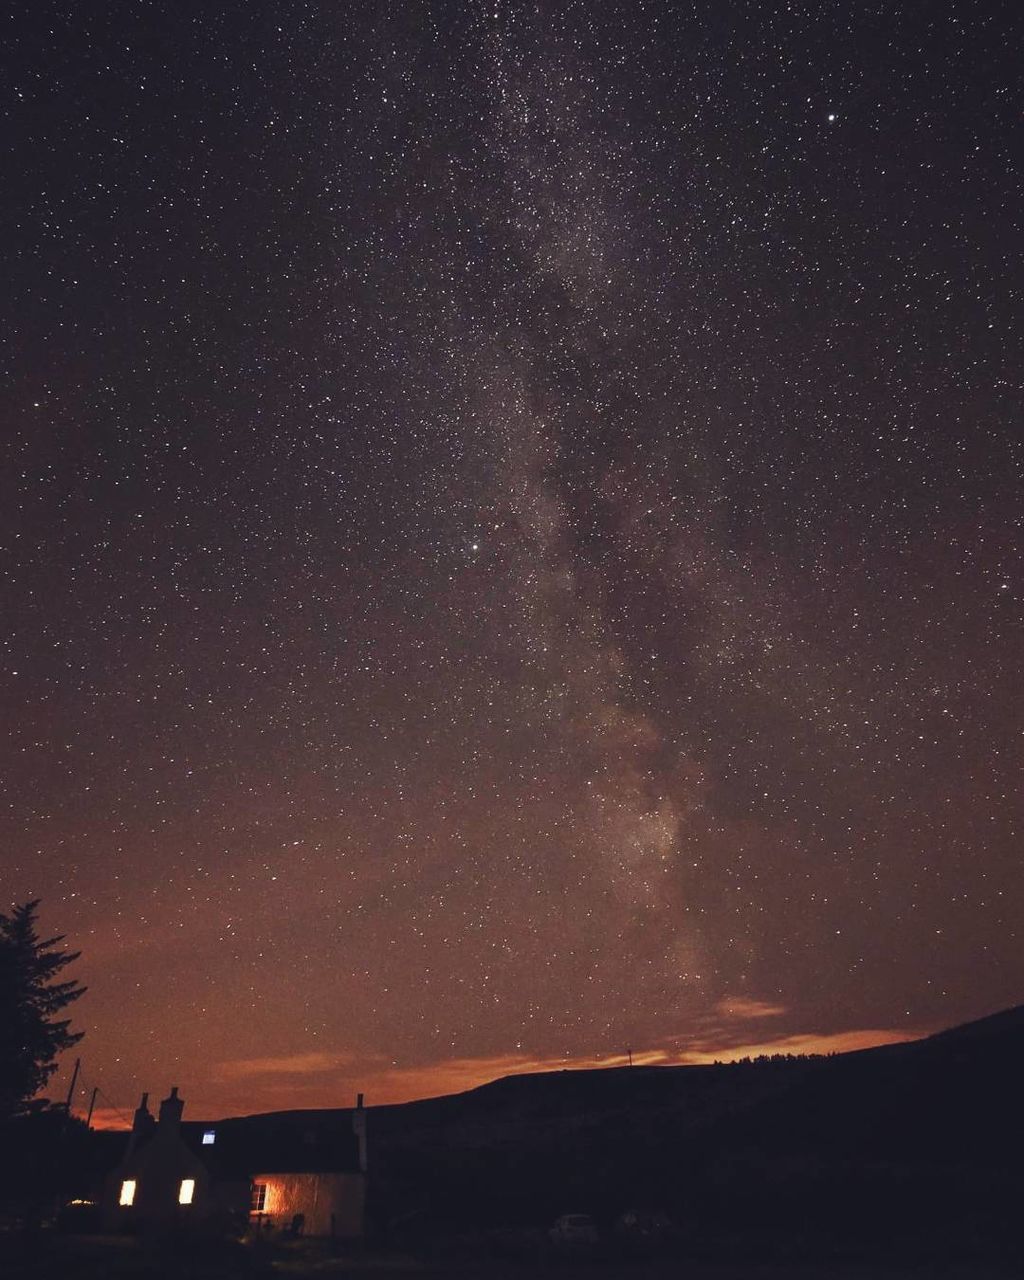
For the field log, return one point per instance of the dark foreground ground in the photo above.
(48, 1256)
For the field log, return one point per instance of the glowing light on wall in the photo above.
(186, 1191)
(209, 1137)
(127, 1192)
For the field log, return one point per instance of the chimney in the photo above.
(359, 1129)
(170, 1112)
(142, 1125)
(142, 1119)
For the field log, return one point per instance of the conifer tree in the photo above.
(31, 997)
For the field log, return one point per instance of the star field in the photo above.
(510, 530)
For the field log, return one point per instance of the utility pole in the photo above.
(630, 1055)
(92, 1104)
(71, 1086)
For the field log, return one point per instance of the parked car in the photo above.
(574, 1233)
(79, 1217)
(641, 1232)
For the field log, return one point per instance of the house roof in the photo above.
(264, 1144)
(267, 1144)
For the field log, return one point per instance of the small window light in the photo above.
(209, 1137)
(186, 1191)
(259, 1197)
(127, 1196)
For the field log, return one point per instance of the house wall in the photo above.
(332, 1203)
(158, 1170)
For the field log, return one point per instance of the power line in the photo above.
(116, 1109)
(87, 1084)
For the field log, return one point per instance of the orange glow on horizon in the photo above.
(322, 1080)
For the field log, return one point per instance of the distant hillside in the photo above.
(1006, 1026)
(915, 1146)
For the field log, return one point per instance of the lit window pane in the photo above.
(186, 1190)
(127, 1192)
(209, 1137)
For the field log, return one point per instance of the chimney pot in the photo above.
(170, 1111)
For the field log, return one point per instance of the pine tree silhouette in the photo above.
(31, 1035)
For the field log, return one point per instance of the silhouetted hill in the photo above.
(1006, 1027)
(914, 1146)
(909, 1149)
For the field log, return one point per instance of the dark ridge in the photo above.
(1006, 1023)
(539, 1092)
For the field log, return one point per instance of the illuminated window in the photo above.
(259, 1197)
(209, 1137)
(186, 1191)
(127, 1192)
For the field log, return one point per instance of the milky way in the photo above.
(510, 532)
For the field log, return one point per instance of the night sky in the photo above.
(510, 527)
